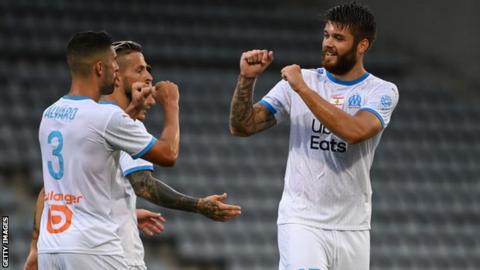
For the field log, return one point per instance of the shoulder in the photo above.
(376, 84)
(313, 73)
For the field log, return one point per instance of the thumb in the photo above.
(222, 197)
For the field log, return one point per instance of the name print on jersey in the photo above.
(320, 131)
(61, 113)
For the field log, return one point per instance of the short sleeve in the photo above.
(128, 165)
(124, 133)
(278, 101)
(381, 102)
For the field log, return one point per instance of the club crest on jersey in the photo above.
(337, 101)
(355, 101)
(386, 102)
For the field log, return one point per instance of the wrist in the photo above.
(198, 205)
(171, 105)
(302, 89)
(243, 76)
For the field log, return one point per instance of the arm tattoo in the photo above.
(157, 192)
(241, 110)
(246, 118)
(242, 102)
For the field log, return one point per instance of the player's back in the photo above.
(79, 168)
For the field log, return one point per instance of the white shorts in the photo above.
(304, 247)
(67, 261)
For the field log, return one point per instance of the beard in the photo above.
(345, 62)
(108, 86)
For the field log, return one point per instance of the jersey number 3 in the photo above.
(57, 153)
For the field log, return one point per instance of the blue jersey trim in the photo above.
(76, 97)
(108, 102)
(136, 169)
(375, 113)
(268, 106)
(146, 149)
(348, 83)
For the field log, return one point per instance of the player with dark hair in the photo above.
(81, 141)
(337, 115)
(133, 70)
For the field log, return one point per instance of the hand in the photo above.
(150, 223)
(253, 63)
(140, 93)
(293, 74)
(214, 208)
(166, 92)
(31, 262)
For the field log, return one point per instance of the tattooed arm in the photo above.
(157, 192)
(245, 118)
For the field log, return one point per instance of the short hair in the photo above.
(84, 46)
(358, 18)
(126, 47)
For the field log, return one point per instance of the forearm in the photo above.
(171, 131)
(334, 119)
(37, 217)
(241, 109)
(159, 193)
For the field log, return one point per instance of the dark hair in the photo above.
(359, 19)
(83, 46)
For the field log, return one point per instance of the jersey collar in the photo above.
(347, 83)
(108, 102)
(75, 97)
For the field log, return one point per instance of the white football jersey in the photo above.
(124, 209)
(80, 142)
(327, 180)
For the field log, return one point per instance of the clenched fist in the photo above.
(140, 93)
(166, 92)
(293, 75)
(254, 62)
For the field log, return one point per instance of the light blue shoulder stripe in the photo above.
(146, 149)
(269, 106)
(137, 169)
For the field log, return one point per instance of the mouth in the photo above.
(329, 54)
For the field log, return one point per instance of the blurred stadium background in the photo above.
(426, 174)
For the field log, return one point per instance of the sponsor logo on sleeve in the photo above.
(386, 102)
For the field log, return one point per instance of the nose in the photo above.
(149, 77)
(150, 100)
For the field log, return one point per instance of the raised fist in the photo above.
(254, 62)
(166, 92)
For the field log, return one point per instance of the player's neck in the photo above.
(84, 87)
(118, 98)
(356, 72)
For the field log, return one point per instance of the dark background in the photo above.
(425, 176)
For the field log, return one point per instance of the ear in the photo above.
(98, 68)
(363, 46)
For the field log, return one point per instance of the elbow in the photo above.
(354, 138)
(239, 132)
(170, 159)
